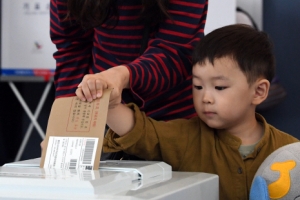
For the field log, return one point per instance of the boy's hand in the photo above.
(92, 85)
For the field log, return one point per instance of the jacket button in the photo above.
(240, 170)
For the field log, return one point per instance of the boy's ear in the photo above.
(261, 88)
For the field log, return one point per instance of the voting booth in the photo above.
(27, 54)
(26, 48)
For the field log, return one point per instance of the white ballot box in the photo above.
(135, 180)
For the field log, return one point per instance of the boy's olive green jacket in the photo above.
(190, 145)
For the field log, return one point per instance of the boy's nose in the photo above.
(207, 98)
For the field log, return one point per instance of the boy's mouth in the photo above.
(209, 113)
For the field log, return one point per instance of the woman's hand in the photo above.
(92, 85)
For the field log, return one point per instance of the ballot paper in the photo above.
(75, 133)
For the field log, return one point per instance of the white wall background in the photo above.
(255, 9)
(223, 12)
(220, 13)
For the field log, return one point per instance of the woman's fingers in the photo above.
(79, 94)
(83, 91)
(99, 88)
(92, 85)
(87, 87)
(91, 88)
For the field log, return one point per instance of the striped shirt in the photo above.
(160, 79)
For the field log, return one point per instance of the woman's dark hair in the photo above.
(92, 13)
(250, 48)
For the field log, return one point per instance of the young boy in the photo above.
(232, 69)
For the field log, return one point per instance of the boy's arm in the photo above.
(120, 119)
(147, 138)
(129, 133)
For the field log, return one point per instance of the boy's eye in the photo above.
(198, 87)
(220, 88)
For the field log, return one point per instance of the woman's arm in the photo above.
(167, 60)
(74, 49)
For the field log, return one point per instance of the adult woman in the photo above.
(106, 36)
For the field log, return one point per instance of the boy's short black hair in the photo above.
(250, 48)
